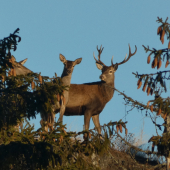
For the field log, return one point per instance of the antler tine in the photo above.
(112, 61)
(95, 57)
(125, 57)
(130, 55)
(99, 51)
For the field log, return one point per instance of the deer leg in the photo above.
(97, 123)
(52, 119)
(87, 120)
(62, 111)
(46, 127)
(87, 117)
(44, 120)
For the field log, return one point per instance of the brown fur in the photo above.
(90, 99)
(60, 106)
(20, 70)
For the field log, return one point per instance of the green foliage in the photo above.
(31, 149)
(159, 105)
(165, 26)
(22, 97)
(152, 80)
(17, 98)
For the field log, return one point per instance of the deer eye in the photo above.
(110, 71)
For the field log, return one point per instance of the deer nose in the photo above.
(102, 77)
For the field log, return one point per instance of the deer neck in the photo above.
(66, 79)
(108, 90)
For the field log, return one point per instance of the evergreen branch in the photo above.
(165, 50)
(135, 103)
(151, 74)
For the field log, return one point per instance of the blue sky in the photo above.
(74, 29)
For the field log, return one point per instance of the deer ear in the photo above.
(62, 58)
(115, 66)
(23, 61)
(99, 66)
(78, 61)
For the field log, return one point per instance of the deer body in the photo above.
(90, 96)
(89, 99)
(66, 80)
(19, 70)
(96, 96)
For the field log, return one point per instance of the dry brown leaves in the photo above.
(64, 131)
(167, 63)
(32, 85)
(164, 116)
(3, 79)
(139, 83)
(144, 87)
(169, 45)
(120, 127)
(151, 108)
(159, 112)
(89, 135)
(40, 79)
(159, 64)
(159, 30)
(148, 103)
(162, 36)
(117, 128)
(148, 90)
(148, 59)
(60, 139)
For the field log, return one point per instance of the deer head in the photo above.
(68, 65)
(19, 68)
(108, 71)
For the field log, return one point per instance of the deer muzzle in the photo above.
(102, 77)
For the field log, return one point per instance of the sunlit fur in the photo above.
(89, 99)
(66, 79)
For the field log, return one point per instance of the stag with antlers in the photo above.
(89, 99)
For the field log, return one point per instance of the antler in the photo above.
(99, 51)
(130, 55)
